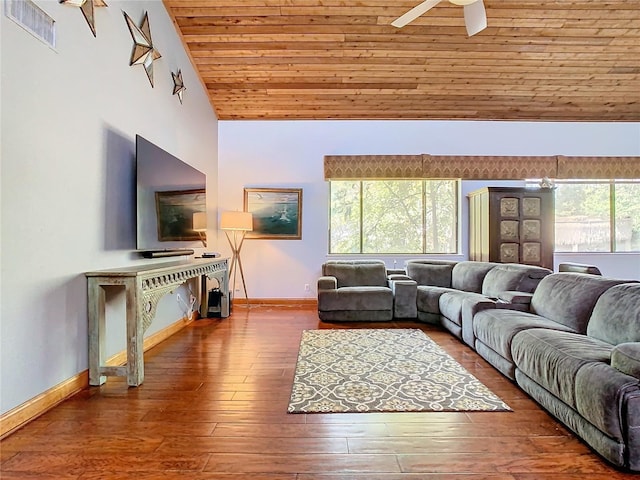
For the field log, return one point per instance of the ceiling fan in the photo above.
(475, 17)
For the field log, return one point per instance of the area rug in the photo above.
(382, 370)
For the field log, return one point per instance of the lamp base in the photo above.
(235, 243)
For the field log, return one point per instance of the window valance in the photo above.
(487, 167)
(598, 167)
(469, 167)
(372, 166)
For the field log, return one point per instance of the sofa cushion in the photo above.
(496, 327)
(356, 298)
(512, 277)
(468, 276)
(616, 316)
(435, 273)
(552, 359)
(569, 298)
(626, 358)
(352, 274)
(428, 298)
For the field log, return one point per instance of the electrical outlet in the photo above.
(306, 287)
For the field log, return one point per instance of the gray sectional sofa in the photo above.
(570, 340)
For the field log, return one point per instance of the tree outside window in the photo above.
(394, 216)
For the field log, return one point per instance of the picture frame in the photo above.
(277, 212)
(174, 211)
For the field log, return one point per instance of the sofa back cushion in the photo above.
(357, 273)
(569, 298)
(616, 315)
(436, 273)
(579, 268)
(513, 277)
(468, 276)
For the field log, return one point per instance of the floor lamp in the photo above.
(238, 223)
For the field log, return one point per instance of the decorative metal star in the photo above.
(143, 50)
(178, 84)
(87, 8)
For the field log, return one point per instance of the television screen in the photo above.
(170, 200)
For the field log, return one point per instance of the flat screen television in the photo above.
(170, 203)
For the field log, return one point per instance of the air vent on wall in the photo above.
(33, 19)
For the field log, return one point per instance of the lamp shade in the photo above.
(200, 222)
(236, 221)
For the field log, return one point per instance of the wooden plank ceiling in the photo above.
(549, 60)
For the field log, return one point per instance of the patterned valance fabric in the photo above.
(368, 167)
(469, 167)
(598, 168)
(487, 167)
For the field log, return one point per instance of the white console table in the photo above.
(144, 285)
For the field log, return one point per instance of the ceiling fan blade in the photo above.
(414, 13)
(475, 17)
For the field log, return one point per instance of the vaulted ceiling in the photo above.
(546, 60)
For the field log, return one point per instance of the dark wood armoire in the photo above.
(512, 225)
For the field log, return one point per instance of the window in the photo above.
(393, 216)
(596, 216)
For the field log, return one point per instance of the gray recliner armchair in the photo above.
(354, 290)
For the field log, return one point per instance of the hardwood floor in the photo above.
(214, 406)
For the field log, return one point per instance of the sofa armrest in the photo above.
(398, 276)
(405, 293)
(513, 297)
(471, 306)
(396, 271)
(625, 358)
(327, 283)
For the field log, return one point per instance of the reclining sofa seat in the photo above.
(448, 292)
(504, 286)
(562, 302)
(591, 380)
(577, 353)
(433, 278)
(466, 281)
(354, 290)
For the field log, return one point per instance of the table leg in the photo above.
(96, 313)
(224, 288)
(135, 337)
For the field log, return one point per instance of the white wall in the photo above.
(290, 154)
(69, 120)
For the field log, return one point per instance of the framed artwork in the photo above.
(277, 212)
(174, 210)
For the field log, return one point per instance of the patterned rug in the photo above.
(382, 370)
